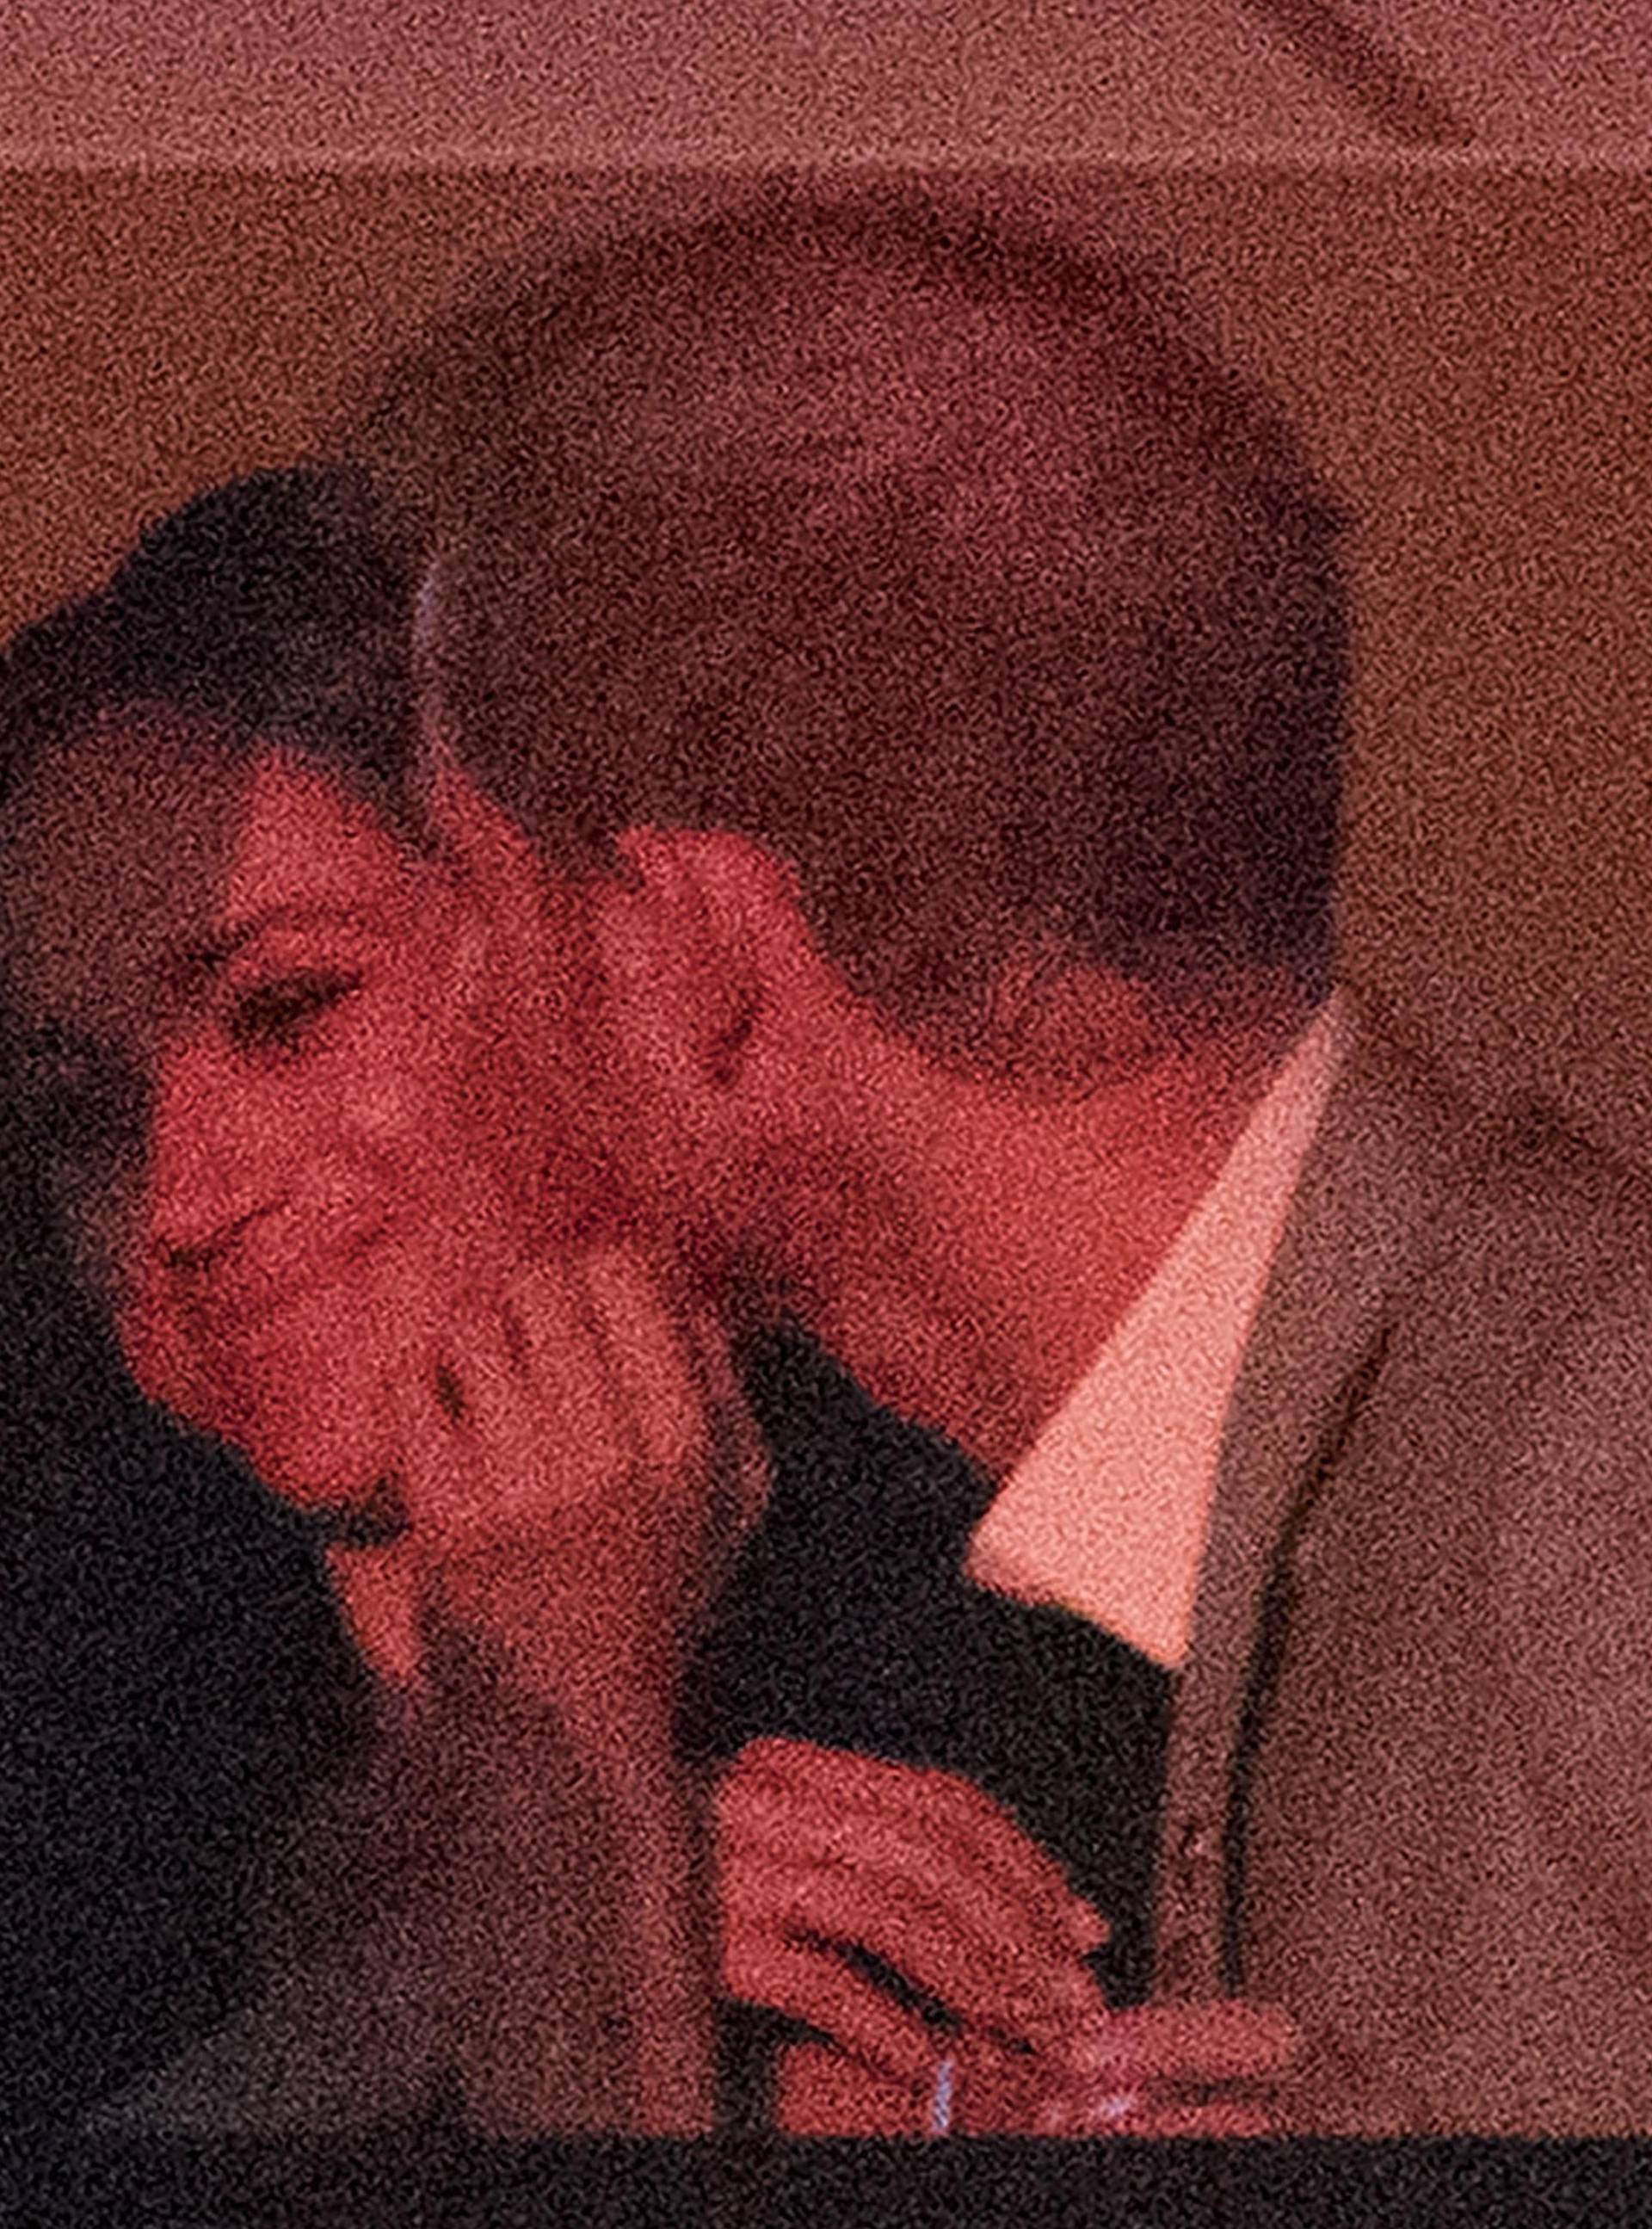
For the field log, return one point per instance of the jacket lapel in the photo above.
(1388, 1155)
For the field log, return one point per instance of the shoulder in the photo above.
(1570, 1583)
(1514, 1284)
(1523, 1197)
(1518, 1397)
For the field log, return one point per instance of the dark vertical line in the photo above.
(1390, 91)
(1267, 1657)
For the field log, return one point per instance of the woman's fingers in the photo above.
(557, 1476)
(510, 1415)
(577, 1407)
(651, 1369)
(574, 1385)
(697, 1477)
(558, 1464)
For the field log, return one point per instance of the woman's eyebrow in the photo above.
(211, 959)
(55, 1043)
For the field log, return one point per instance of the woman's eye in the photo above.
(276, 1016)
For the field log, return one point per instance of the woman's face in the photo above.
(276, 1079)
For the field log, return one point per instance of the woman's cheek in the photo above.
(398, 1102)
(381, 1108)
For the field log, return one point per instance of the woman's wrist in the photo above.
(607, 1836)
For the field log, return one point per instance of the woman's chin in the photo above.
(324, 1461)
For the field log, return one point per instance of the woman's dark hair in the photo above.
(267, 608)
(268, 612)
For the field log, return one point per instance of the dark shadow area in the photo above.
(173, 1684)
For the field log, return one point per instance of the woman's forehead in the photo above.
(140, 847)
(303, 838)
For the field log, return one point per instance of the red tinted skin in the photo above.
(333, 1190)
(320, 1083)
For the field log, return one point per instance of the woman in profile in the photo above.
(269, 1057)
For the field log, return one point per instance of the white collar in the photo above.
(1106, 1513)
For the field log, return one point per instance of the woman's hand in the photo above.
(576, 1473)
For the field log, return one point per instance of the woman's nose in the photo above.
(214, 1161)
